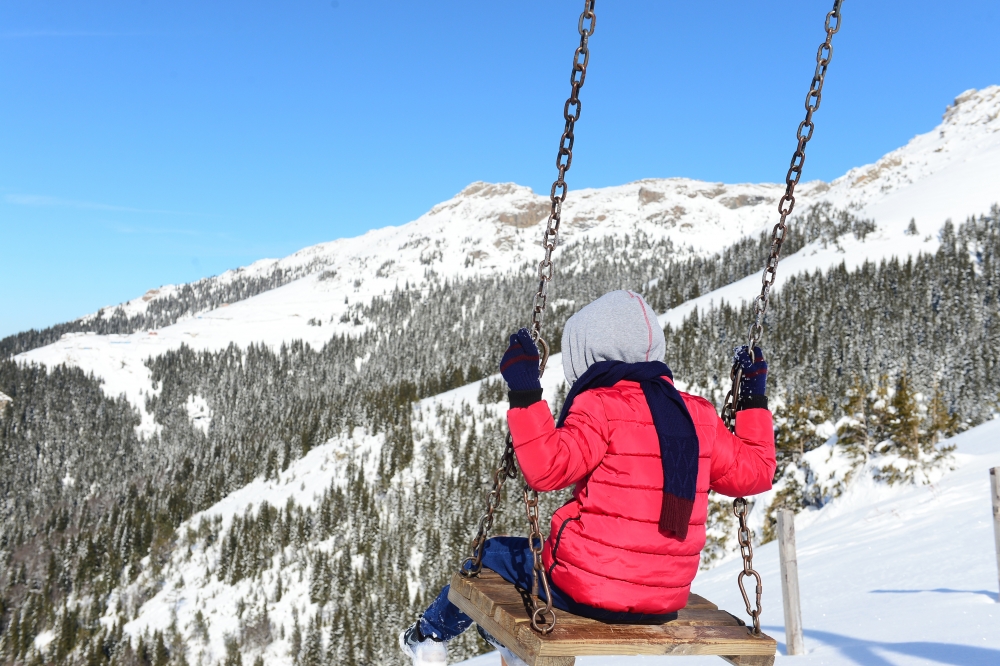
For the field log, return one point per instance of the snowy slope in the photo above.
(890, 575)
(188, 584)
(948, 172)
(902, 576)
(914, 539)
(953, 171)
(192, 589)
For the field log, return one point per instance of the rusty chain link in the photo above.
(756, 330)
(804, 133)
(745, 538)
(543, 619)
(564, 159)
(506, 470)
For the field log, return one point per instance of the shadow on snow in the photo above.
(870, 653)
(941, 590)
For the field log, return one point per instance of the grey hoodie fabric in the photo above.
(618, 326)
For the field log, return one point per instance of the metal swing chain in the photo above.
(564, 159)
(823, 56)
(506, 470)
(756, 330)
(543, 618)
(745, 538)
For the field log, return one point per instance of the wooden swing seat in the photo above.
(700, 628)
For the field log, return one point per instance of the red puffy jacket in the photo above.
(605, 549)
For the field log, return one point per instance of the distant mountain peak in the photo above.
(966, 141)
(485, 190)
(974, 107)
(507, 204)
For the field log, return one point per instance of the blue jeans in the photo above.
(512, 559)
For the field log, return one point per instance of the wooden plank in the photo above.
(705, 618)
(492, 591)
(602, 639)
(499, 589)
(497, 626)
(698, 601)
(685, 616)
(750, 660)
(554, 661)
(701, 630)
(548, 661)
(790, 582)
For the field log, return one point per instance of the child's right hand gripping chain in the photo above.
(754, 379)
(519, 365)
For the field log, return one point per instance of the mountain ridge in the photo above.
(504, 217)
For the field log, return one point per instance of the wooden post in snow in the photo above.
(995, 493)
(790, 582)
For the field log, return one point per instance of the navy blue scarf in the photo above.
(674, 428)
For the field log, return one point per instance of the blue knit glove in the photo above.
(754, 380)
(519, 365)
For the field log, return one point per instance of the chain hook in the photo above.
(745, 538)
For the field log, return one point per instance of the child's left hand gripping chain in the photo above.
(519, 365)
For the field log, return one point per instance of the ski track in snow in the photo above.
(889, 576)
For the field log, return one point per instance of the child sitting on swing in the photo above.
(643, 456)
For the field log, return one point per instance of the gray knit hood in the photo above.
(618, 326)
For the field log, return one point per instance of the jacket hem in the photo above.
(604, 576)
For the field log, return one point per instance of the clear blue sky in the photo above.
(144, 143)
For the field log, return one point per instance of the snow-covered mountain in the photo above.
(379, 509)
(950, 172)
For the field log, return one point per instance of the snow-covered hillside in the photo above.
(901, 576)
(191, 595)
(950, 172)
(299, 472)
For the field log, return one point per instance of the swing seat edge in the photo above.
(700, 629)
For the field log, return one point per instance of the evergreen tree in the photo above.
(312, 653)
